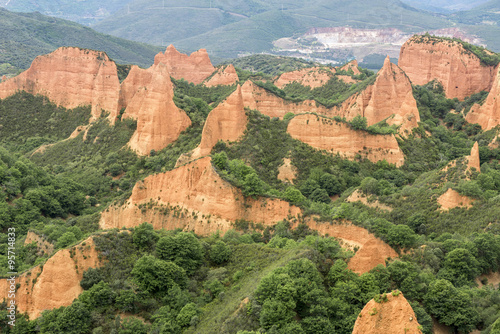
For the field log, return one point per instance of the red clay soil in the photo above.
(394, 316)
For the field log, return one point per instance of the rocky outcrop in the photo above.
(56, 283)
(193, 68)
(371, 252)
(227, 122)
(452, 199)
(390, 98)
(337, 137)
(193, 197)
(258, 98)
(312, 77)
(351, 66)
(148, 97)
(392, 314)
(224, 76)
(426, 58)
(473, 159)
(287, 172)
(71, 77)
(488, 114)
(358, 196)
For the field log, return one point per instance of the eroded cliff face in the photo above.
(488, 114)
(372, 251)
(193, 197)
(427, 58)
(193, 68)
(390, 97)
(148, 97)
(452, 199)
(393, 316)
(312, 77)
(71, 77)
(257, 98)
(224, 76)
(57, 283)
(351, 66)
(336, 137)
(227, 122)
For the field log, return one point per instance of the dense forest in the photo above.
(253, 279)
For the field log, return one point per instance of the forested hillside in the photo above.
(318, 232)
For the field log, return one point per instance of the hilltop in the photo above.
(25, 36)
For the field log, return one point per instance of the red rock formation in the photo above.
(193, 197)
(452, 199)
(257, 98)
(312, 77)
(427, 58)
(71, 77)
(4, 77)
(390, 97)
(148, 96)
(193, 68)
(372, 251)
(287, 172)
(394, 316)
(351, 66)
(488, 114)
(336, 137)
(227, 122)
(225, 76)
(473, 158)
(57, 284)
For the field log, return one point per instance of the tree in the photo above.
(220, 160)
(275, 312)
(293, 195)
(187, 313)
(184, 249)
(144, 236)
(65, 240)
(157, 276)
(459, 267)
(451, 306)
(90, 277)
(320, 195)
(133, 325)
(220, 252)
(75, 319)
(253, 185)
(330, 184)
(401, 236)
(359, 123)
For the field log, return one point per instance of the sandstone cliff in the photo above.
(287, 172)
(351, 66)
(55, 284)
(148, 97)
(390, 97)
(193, 68)
(312, 77)
(224, 76)
(336, 137)
(71, 77)
(452, 199)
(461, 73)
(488, 114)
(394, 316)
(193, 197)
(227, 122)
(258, 98)
(44, 247)
(371, 252)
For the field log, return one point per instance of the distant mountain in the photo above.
(237, 27)
(25, 36)
(444, 6)
(84, 12)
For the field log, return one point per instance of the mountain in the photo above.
(25, 36)
(84, 12)
(231, 28)
(444, 6)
